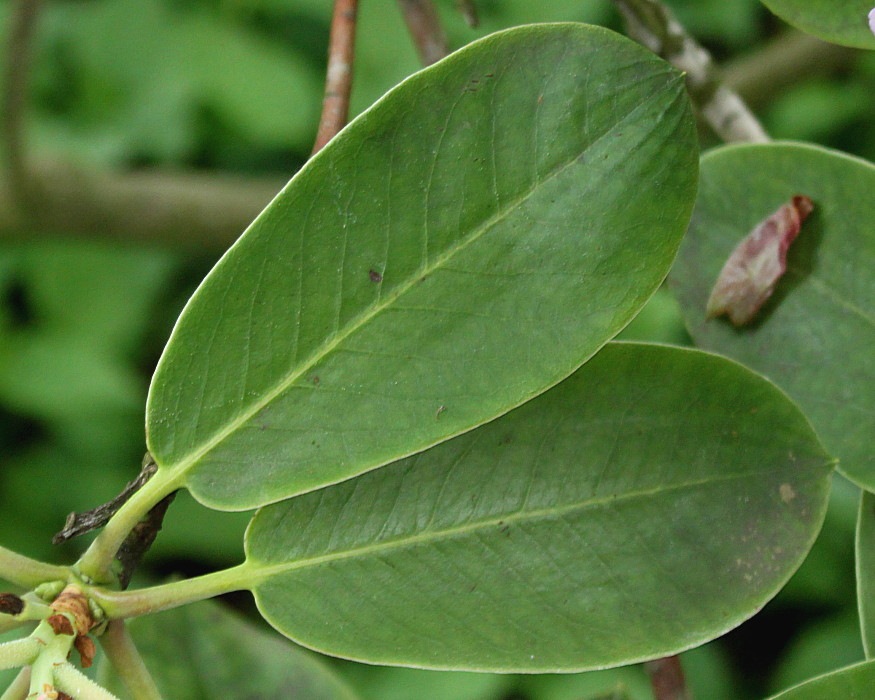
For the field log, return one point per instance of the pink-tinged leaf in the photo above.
(750, 274)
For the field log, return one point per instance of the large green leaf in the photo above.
(815, 336)
(463, 245)
(852, 683)
(865, 544)
(203, 651)
(649, 503)
(840, 21)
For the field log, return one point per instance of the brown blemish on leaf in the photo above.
(753, 269)
(787, 493)
(375, 276)
(11, 604)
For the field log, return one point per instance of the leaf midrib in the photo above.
(186, 462)
(264, 570)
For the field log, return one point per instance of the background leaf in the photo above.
(853, 683)
(608, 521)
(462, 246)
(840, 21)
(813, 337)
(205, 651)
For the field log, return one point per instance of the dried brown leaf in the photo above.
(753, 269)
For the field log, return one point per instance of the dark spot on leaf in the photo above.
(375, 276)
(473, 588)
(316, 381)
(19, 304)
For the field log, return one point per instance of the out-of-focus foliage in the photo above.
(236, 85)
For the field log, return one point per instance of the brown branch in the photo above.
(338, 79)
(667, 679)
(16, 79)
(783, 62)
(200, 213)
(469, 12)
(653, 24)
(425, 29)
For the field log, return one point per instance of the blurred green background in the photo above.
(181, 93)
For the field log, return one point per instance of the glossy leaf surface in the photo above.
(852, 683)
(814, 336)
(463, 245)
(840, 21)
(650, 502)
(865, 545)
(205, 651)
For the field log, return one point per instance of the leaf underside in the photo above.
(839, 21)
(814, 336)
(460, 247)
(649, 503)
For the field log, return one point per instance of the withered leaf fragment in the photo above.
(750, 274)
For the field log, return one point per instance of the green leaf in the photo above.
(840, 21)
(865, 544)
(203, 651)
(647, 504)
(815, 335)
(385, 683)
(463, 245)
(852, 683)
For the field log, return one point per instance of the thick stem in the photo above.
(18, 689)
(54, 653)
(124, 604)
(26, 572)
(653, 24)
(425, 29)
(97, 562)
(127, 662)
(17, 69)
(338, 79)
(667, 679)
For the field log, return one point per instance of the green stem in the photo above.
(127, 662)
(78, 685)
(123, 604)
(26, 572)
(97, 561)
(18, 689)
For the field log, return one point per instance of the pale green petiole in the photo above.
(123, 604)
(19, 687)
(78, 685)
(96, 562)
(127, 662)
(26, 572)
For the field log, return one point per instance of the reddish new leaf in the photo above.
(750, 274)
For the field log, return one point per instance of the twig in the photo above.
(139, 539)
(338, 79)
(79, 523)
(469, 12)
(654, 25)
(16, 73)
(783, 62)
(425, 28)
(667, 679)
(127, 662)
